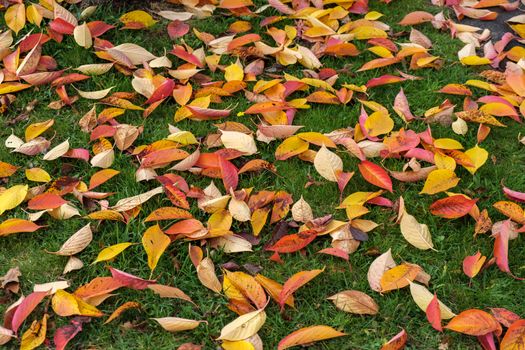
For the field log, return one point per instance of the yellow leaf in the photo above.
(447, 144)
(35, 335)
(379, 123)
(82, 36)
(6, 88)
(244, 326)
(175, 324)
(422, 297)
(440, 180)
(290, 147)
(220, 223)
(381, 51)
(474, 61)
(65, 304)
(12, 197)
(33, 15)
(373, 15)
(234, 72)
(399, 277)
(328, 164)
(207, 276)
(443, 161)
(258, 220)
(132, 18)
(155, 243)
(415, 233)
(36, 129)
(237, 345)
(368, 32)
(111, 252)
(183, 137)
(15, 17)
(37, 175)
(478, 156)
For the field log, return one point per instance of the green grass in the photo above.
(453, 238)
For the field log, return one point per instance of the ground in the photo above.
(453, 238)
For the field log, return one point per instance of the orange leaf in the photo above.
(11, 226)
(474, 322)
(396, 343)
(294, 242)
(45, 201)
(168, 213)
(126, 306)
(308, 335)
(375, 175)
(515, 336)
(416, 17)
(472, 264)
(295, 282)
(100, 177)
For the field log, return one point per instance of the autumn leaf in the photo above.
(355, 302)
(112, 251)
(155, 243)
(308, 335)
(295, 282)
(474, 322)
(375, 175)
(473, 264)
(244, 326)
(399, 277)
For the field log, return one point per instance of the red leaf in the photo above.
(177, 28)
(434, 314)
(383, 80)
(60, 26)
(501, 247)
(181, 53)
(129, 280)
(294, 242)
(97, 28)
(487, 341)
(162, 91)
(335, 252)
(504, 316)
(229, 175)
(45, 201)
(70, 78)
(65, 333)
(25, 308)
(375, 175)
(452, 207)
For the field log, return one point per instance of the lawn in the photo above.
(453, 239)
